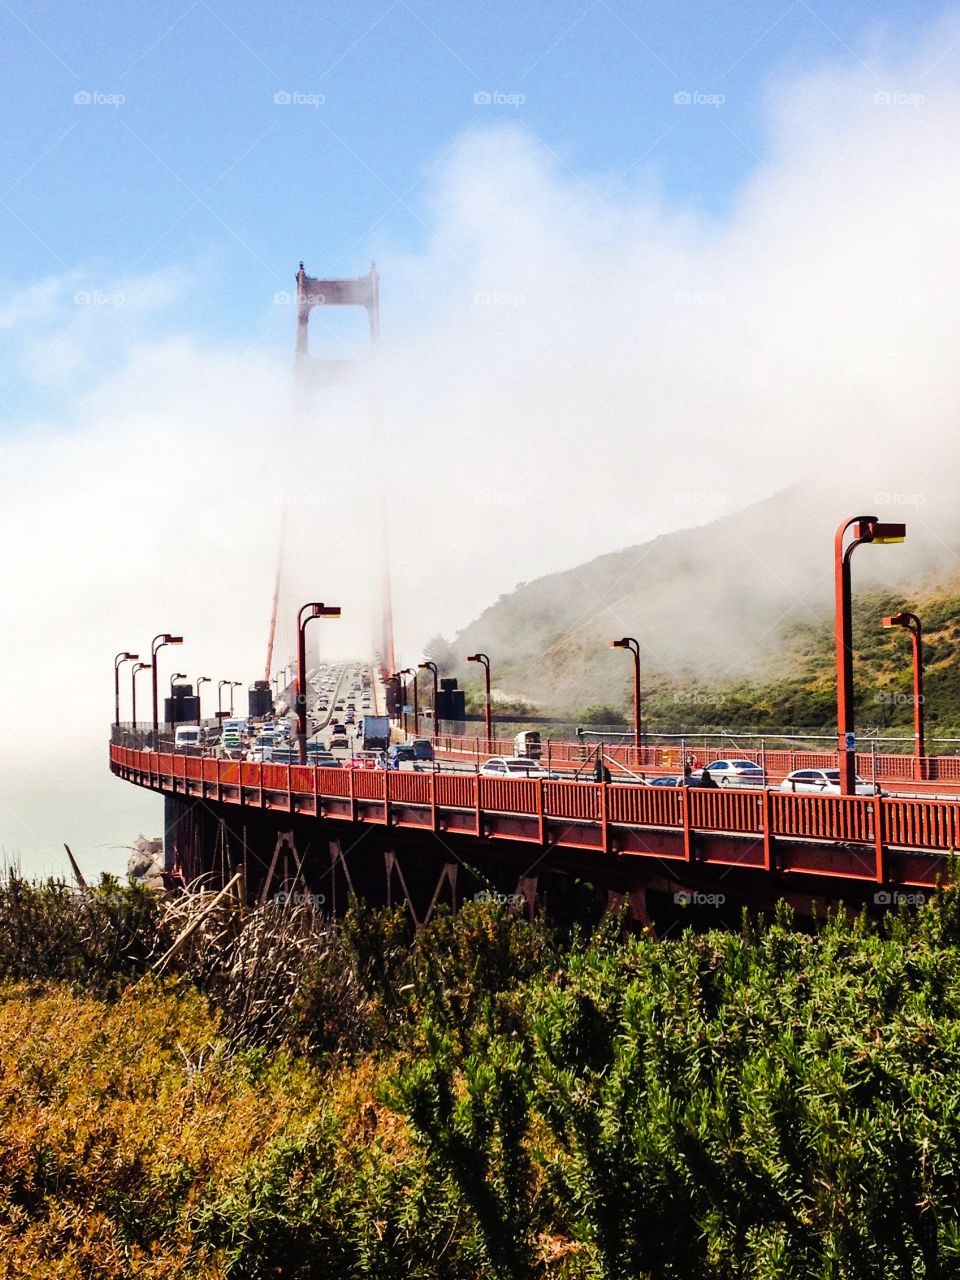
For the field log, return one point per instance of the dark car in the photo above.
(401, 751)
(422, 748)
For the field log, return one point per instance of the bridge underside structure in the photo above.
(424, 838)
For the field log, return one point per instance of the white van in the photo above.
(188, 736)
(528, 745)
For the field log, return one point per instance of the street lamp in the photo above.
(911, 623)
(234, 684)
(399, 708)
(137, 666)
(201, 680)
(487, 717)
(629, 643)
(155, 646)
(118, 661)
(177, 675)
(432, 668)
(307, 612)
(865, 529)
(409, 671)
(220, 688)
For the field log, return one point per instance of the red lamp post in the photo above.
(633, 646)
(865, 529)
(137, 666)
(409, 671)
(910, 622)
(155, 646)
(118, 662)
(398, 714)
(316, 609)
(201, 680)
(434, 671)
(487, 716)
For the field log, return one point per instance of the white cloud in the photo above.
(566, 371)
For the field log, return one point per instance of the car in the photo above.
(737, 773)
(321, 758)
(666, 780)
(422, 748)
(366, 760)
(338, 738)
(401, 751)
(825, 782)
(351, 718)
(512, 767)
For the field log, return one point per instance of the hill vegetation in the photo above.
(735, 624)
(486, 1099)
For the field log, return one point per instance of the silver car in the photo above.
(825, 782)
(737, 773)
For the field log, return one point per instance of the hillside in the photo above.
(735, 623)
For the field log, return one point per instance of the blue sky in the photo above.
(182, 159)
(642, 266)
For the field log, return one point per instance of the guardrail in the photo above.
(871, 766)
(584, 815)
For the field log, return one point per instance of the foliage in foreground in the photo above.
(484, 1103)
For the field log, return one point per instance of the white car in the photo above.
(737, 773)
(513, 767)
(825, 782)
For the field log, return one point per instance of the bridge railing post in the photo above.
(685, 817)
(881, 867)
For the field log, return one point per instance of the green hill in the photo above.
(735, 623)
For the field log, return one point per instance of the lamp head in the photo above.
(872, 529)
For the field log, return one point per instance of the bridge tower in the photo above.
(358, 291)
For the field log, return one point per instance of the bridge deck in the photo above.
(884, 840)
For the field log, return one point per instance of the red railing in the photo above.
(368, 784)
(645, 806)
(582, 800)
(509, 795)
(777, 762)
(847, 818)
(408, 788)
(456, 790)
(726, 809)
(873, 822)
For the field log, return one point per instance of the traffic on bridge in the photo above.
(347, 744)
